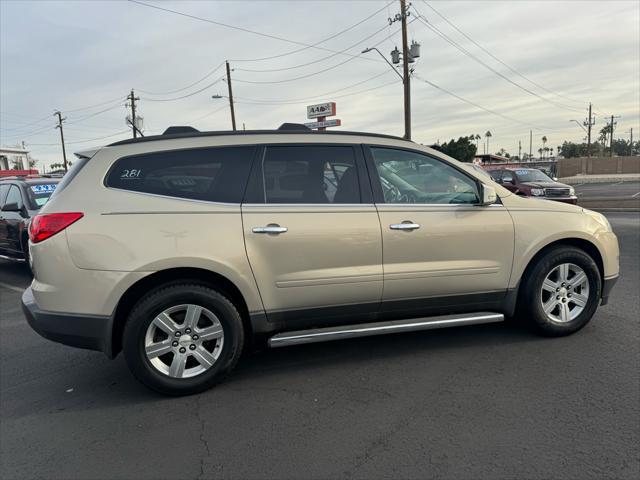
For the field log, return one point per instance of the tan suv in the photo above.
(183, 248)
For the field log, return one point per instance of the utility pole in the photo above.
(405, 72)
(613, 124)
(530, 144)
(589, 122)
(233, 111)
(519, 151)
(64, 152)
(132, 98)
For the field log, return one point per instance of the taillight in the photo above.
(47, 225)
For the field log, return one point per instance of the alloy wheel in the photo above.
(184, 341)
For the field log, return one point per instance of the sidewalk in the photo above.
(603, 178)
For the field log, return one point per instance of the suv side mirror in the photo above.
(489, 196)
(11, 207)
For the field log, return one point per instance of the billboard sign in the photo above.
(327, 109)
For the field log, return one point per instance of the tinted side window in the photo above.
(507, 177)
(310, 174)
(409, 177)
(211, 174)
(14, 196)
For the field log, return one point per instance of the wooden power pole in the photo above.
(64, 151)
(233, 111)
(132, 99)
(405, 72)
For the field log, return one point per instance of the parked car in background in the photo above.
(20, 199)
(531, 182)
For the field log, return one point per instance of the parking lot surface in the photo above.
(609, 196)
(491, 401)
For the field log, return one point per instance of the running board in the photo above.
(298, 337)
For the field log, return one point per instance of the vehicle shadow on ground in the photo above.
(100, 383)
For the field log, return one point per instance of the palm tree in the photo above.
(488, 135)
(544, 141)
(540, 152)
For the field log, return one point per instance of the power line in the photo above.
(304, 99)
(29, 134)
(26, 125)
(268, 70)
(82, 119)
(442, 35)
(301, 77)
(187, 87)
(183, 96)
(241, 29)
(488, 110)
(334, 97)
(80, 141)
(497, 59)
(117, 99)
(331, 37)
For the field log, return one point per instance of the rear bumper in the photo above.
(607, 286)
(83, 331)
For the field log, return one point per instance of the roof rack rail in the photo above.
(289, 129)
(180, 129)
(294, 126)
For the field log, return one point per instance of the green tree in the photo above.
(462, 149)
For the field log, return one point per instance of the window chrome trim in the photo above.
(308, 205)
(191, 200)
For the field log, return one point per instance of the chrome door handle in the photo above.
(270, 229)
(404, 226)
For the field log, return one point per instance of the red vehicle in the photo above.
(531, 182)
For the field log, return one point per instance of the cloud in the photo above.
(65, 55)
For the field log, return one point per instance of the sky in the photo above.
(529, 65)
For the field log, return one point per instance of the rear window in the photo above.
(211, 174)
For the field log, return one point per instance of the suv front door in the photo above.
(441, 249)
(312, 234)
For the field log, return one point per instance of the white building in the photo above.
(10, 155)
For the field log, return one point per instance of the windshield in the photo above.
(532, 176)
(41, 193)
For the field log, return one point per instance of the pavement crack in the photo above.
(203, 438)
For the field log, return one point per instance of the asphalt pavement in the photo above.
(609, 196)
(490, 401)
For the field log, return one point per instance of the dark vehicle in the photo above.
(531, 182)
(20, 199)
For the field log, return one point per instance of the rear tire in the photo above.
(561, 293)
(183, 338)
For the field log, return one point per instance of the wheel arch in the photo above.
(169, 276)
(513, 295)
(585, 245)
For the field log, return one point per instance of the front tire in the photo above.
(182, 339)
(561, 292)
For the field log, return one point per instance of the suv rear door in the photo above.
(312, 234)
(441, 249)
